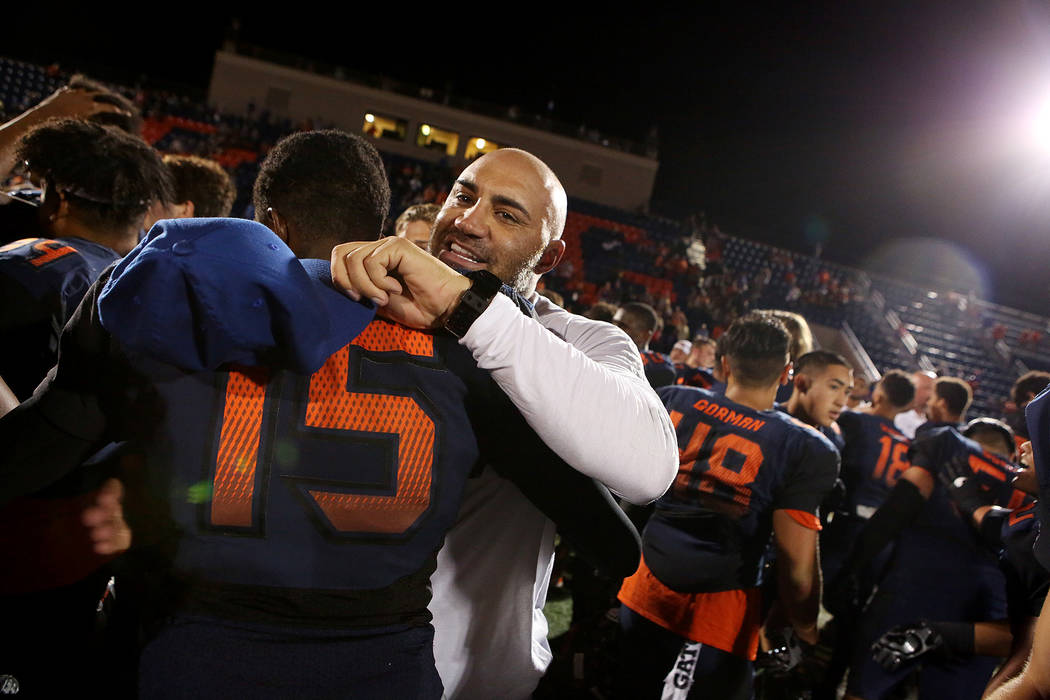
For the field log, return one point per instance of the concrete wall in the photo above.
(588, 171)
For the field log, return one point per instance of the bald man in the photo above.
(575, 379)
(909, 421)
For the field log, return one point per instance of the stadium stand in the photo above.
(615, 255)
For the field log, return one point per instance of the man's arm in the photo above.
(600, 416)
(64, 102)
(798, 574)
(1034, 681)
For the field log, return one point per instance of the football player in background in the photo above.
(415, 224)
(202, 188)
(691, 613)
(642, 323)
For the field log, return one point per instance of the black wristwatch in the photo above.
(474, 301)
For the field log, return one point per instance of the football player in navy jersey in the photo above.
(692, 611)
(947, 405)
(1010, 533)
(822, 383)
(641, 322)
(934, 544)
(696, 370)
(97, 183)
(330, 569)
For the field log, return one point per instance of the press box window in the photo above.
(478, 146)
(383, 127)
(437, 139)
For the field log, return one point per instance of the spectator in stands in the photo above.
(415, 223)
(909, 420)
(203, 188)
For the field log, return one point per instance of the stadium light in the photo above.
(425, 130)
(370, 118)
(480, 143)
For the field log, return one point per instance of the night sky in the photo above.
(861, 125)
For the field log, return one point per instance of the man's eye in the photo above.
(462, 197)
(506, 216)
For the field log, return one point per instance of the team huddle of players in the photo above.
(925, 537)
(218, 374)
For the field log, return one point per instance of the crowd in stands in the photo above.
(742, 452)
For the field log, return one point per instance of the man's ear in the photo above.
(785, 375)
(277, 223)
(186, 209)
(725, 367)
(552, 255)
(802, 383)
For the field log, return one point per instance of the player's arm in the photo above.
(1012, 667)
(1034, 681)
(8, 400)
(795, 529)
(584, 393)
(63, 422)
(798, 573)
(64, 102)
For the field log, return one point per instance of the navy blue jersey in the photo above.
(874, 455)
(693, 376)
(938, 530)
(1026, 581)
(41, 282)
(658, 368)
(710, 530)
(284, 498)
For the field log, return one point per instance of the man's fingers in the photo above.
(361, 278)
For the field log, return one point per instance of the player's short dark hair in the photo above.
(416, 212)
(1027, 385)
(818, 361)
(756, 346)
(899, 388)
(203, 182)
(108, 177)
(639, 317)
(601, 311)
(989, 429)
(956, 393)
(798, 330)
(330, 183)
(131, 122)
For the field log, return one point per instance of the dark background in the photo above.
(881, 130)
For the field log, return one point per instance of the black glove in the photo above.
(785, 652)
(965, 492)
(905, 644)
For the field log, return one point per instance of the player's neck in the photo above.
(760, 399)
(797, 410)
(885, 411)
(122, 242)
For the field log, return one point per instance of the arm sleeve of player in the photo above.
(580, 386)
(930, 449)
(63, 423)
(809, 481)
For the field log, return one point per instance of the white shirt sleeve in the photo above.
(579, 383)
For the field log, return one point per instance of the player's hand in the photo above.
(965, 492)
(906, 644)
(785, 651)
(407, 284)
(74, 102)
(105, 519)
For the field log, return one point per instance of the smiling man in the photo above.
(571, 377)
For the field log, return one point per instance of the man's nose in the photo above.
(472, 221)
